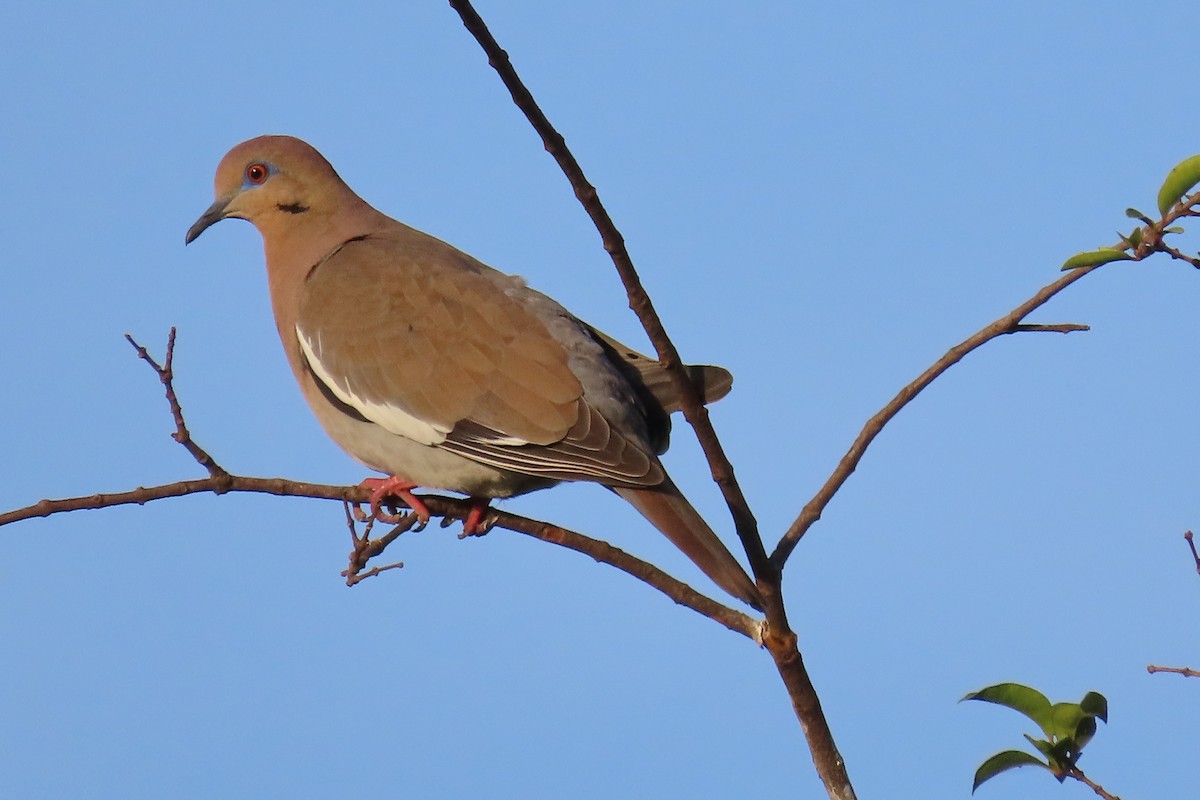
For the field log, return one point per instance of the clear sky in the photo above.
(821, 197)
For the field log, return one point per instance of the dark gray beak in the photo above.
(215, 213)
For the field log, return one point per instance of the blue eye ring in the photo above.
(257, 173)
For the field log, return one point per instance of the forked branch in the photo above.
(1146, 241)
(221, 481)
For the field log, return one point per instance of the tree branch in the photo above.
(166, 374)
(221, 481)
(1191, 543)
(644, 571)
(1077, 774)
(1144, 242)
(1009, 323)
(450, 507)
(779, 639)
(614, 243)
(1186, 672)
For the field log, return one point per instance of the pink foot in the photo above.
(395, 486)
(473, 525)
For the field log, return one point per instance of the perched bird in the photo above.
(439, 371)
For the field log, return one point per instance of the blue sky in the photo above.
(821, 197)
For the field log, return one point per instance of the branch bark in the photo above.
(779, 639)
(220, 481)
(1149, 241)
(1009, 323)
(1077, 774)
(450, 507)
(639, 301)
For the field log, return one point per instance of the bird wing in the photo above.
(428, 343)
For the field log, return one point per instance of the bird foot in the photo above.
(478, 521)
(394, 486)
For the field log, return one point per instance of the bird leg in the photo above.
(395, 486)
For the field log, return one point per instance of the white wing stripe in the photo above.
(388, 417)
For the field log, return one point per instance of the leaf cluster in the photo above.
(1174, 202)
(1067, 727)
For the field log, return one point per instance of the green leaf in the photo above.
(1180, 180)
(1095, 704)
(1028, 701)
(1133, 213)
(1009, 759)
(1085, 731)
(1094, 258)
(1065, 719)
(1173, 229)
(1044, 747)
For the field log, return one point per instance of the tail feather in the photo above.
(665, 507)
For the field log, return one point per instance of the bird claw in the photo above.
(480, 519)
(359, 514)
(399, 518)
(394, 486)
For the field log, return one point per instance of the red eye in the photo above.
(257, 173)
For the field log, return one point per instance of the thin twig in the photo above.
(1077, 774)
(1066, 327)
(1179, 255)
(1192, 546)
(1007, 324)
(605, 553)
(223, 482)
(1186, 672)
(366, 548)
(1151, 242)
(439, 505)
(166, 374)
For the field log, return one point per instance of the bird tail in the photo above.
(665, 507)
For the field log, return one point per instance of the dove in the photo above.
(441, 372)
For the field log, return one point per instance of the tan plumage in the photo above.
(422, 362)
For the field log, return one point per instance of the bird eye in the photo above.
(256, 173)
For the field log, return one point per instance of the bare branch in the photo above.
(1077, 774)
(1186, 672)
(228, 483)
(614, 243)
(366, 548)
(166, 374)
(1066, 327)
(644, 571)
(780, 640)
(1009, 323)
(1179, 255)
(1150, 241)
(222, 482)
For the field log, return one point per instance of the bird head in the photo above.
(275, 182)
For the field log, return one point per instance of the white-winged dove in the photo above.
(439, 371)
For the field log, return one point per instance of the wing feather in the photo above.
(427, 343)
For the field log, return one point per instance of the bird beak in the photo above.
(215, 213)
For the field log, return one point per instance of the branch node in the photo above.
(365, 548)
